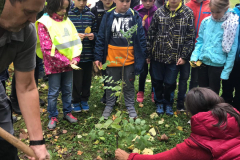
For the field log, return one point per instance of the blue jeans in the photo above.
(164, 81)
(57, 82)
(184, 76)
(142, 78)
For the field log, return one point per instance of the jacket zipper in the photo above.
(199, 16)
(200, 144)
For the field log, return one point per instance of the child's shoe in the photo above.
(180, 106)
(107, 112)
(69, 117)
(160, 109)
(132, 112)
(76, 107)
(85, 106)
(52, 123)
(153, 97)
(169, 110)
(140, 96)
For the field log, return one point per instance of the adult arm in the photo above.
(189, 39)
(230, 58)
(198, 46)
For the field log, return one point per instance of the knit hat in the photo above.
(2, 2)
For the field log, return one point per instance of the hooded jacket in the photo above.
(206, 142)
(200, 11)
(222, 143)
(138, 39)
(98, 10)
(142, 12)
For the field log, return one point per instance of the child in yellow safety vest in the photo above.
(60, 47)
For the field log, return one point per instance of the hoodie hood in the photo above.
(222, 143)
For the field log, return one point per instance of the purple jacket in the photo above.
(142, 12)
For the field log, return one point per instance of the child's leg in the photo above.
(236, 99)
(194, 78)
(170, 77)
(54, 82)
(142, 78)
(66, 89)
(182, 88)
(115, 73)
(129, 90)
(214, 78)
(77, 84)
(203, 77)
(228, 88)
(157, 71)
(87, 80)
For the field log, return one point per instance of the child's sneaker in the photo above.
(69, 117)
(52, 123)
(153, 97)
(107, 112)
(76, 107)
(160, 109)
(169, 110)
(132, 112)
(140, 96)
(85, 106)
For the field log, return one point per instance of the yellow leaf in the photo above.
(145, 17)
(55, 140)
(175, 113)
(65, 150)
(18, 118)
(152, 132)
(153, 115)
(147, 151)
(79, 153)
(161, 121)
(198, 63)
(88, 30)
(135, 150)
(166, 125)
(173, 134)
(49, 135)
(75, 67)
(180, 128)
(96, 142)
(140, 105)
(113, 117)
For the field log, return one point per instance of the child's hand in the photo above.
(73, 62)
(143, 23)
(181, 61)
(82, 36)
(98, 64)
(148, 60)
(90, 36)
(121, 154)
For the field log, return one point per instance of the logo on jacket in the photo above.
(120, 23)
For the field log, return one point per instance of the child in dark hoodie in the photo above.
(146, 8)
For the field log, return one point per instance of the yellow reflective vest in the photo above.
(64, 37)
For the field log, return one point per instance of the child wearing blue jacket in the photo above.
(110, 44)
(232, 84)
(216, 45)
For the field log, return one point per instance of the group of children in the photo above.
(165, 40)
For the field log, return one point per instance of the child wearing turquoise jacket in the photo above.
(216, 45)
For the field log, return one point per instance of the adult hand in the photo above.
(98, 64)
(82, 36)
(74, 62)
(148, 60)
(90, 36)
(41, 152)
(121, 154)
(143, 23)
(181, 61)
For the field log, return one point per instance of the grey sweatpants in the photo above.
(128, 90)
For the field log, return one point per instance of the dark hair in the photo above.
(54, 5)
(204, 99)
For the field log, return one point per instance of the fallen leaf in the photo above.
(153, 115)
(98, 158)
(140, 105)
(79, 136)
(19, 118)
(105, 150)
(152, 131)
(64, 131)
(180, 128)
(148, 80)
(43, 85)
(135, 150)
(84, 134)
(131, 147)
(175, 113)
(113, 117)
(42, 110)
(96, 142)
(56, 137)
(49, 135)
(147, 151)
(65, 150)
(161, 121)
(151, 138)
(164, 137)
(166, 125)
(173, 134)
(79, 153)
(55, 140)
